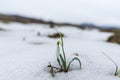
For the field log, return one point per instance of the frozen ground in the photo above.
(25, 56)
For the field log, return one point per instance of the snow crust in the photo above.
(21, 59)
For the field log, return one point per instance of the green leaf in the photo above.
(116, 66)
(58, 60)
(116, 71)
(63, 62)
(63, 52)
(75, 58)
(61, 39)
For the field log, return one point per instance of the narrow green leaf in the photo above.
(118, 72)
(58, 60)
(116, 66)
(63, 62)
(63, 52)
(75, 58)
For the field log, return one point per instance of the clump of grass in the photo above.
(55, 35)
(61, 59)
(2, 29)
(117, 70)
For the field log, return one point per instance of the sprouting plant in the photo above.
(117, 70)
(61, 58)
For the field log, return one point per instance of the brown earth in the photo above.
(114, 38)
(27, 20)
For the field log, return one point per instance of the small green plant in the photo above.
(117, 70)
(61, 58)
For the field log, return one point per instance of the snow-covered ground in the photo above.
(25, 56)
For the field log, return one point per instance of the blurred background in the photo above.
(99, 12)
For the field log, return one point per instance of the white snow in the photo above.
(28, 59)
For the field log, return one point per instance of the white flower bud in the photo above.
(58, 50)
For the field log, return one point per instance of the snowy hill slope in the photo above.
(21, 59)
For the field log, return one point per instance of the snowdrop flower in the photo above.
(58, 50)
(61, 57)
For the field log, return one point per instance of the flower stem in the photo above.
(62, 45)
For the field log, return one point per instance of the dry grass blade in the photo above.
(117, 71)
